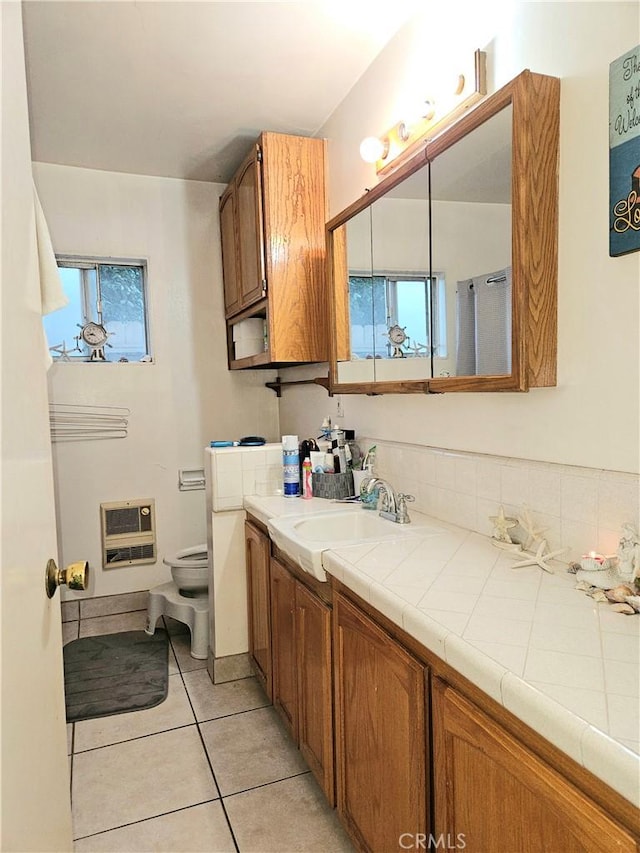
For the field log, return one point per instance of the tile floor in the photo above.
(210, 769)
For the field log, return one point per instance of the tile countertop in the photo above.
(563, 664)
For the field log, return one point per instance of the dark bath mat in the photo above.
(115, 673)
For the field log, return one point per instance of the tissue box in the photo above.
(248, 337)
(247, 347)
(333, 486)
(245, 329)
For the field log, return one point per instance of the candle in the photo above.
(593, 562)
(593, 556)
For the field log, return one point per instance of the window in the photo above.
(112, 294)
(378, 302)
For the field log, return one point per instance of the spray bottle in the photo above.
(290, 466)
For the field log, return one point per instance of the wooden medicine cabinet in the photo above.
(444, 275)
(272, 225)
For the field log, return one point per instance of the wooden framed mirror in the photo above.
(444, 276)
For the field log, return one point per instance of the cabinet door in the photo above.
(250, 230)
(229, 253)
(315, 705)
(258, 598)
(496, 795)
(381, 744)
(283, 646)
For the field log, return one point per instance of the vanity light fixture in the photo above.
(401, 141)
(373, 149)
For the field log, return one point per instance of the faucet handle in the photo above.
(402, 498)
(402, 515)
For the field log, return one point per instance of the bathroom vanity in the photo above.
(289, 618)
(424, 731)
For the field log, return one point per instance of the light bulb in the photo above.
(373, 149)
(428, 109)
(404, 130)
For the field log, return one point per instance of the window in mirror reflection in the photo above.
(378, 302)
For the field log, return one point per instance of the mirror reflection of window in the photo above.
(376, 303)
(471, 216)
(368, 312)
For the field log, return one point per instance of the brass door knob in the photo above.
(75, 576)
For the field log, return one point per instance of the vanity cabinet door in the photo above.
(493, 794)
(283, 646)
(248, 182)
(230, 260)
(381, 743)
(259, 604)
(315, 705)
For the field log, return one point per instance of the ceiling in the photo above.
(181, 89)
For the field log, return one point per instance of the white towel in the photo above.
(465, 329)
(493, 323)
(52, 295)
(483, 317)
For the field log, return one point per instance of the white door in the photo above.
(36, 811)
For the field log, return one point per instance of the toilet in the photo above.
(185, 598)
(190, 570)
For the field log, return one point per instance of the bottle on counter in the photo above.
(339, 454)
(324, 439)
(290, 466)
(307, 475)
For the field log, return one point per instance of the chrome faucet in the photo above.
(390, 505)
(386, 495)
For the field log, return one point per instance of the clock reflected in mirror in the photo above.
(397, 337)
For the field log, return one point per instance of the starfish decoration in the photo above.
(540, 558)
(63, 352)
(417, 349)
(501, 526)
(529, 526)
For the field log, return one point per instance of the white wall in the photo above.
(180, 402)
(591, 418)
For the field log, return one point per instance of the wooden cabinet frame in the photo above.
(535, 99)
(276, 270)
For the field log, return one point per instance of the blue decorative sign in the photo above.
(624, 154)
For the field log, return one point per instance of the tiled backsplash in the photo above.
(582, 508)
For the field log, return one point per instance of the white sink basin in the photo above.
(305, 538)
(360, 525)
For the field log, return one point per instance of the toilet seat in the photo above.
(189, 558)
